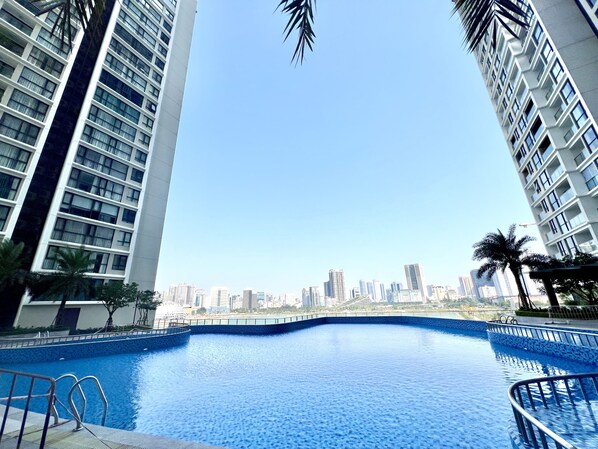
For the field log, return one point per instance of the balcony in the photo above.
(567, 196)
(557, 173)
(536, 196)
(542, 215)
(578, 220)
(552, 235)
(591, 246)
(582, 156)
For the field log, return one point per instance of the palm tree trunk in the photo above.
(523, 298)
(58, 318)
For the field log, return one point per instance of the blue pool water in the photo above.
(332, 386)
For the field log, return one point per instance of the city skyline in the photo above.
(397, 160)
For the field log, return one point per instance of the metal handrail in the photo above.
(12, 397)
(79, 389)
(164, 323)
(588, 339)
(79, 417)
(25, 342)
(521, 395)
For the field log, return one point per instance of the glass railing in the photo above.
(578, 220)
(547, 152)
(558, 172)
(551, 235)
(582, 156)
(567, 196)
(542, 215)
(588, 247)
(569, 134)
(535, 196)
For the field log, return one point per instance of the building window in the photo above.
(88, 208)
(147, 122)
(547, 52)
(13, 157)
(567, 92)
(111, 123)
(45, 62)
(88, 182)
(28, 105)
(129, 216)
(157, 77)
(579, 116)
(141, 157)
(119, 262)
(18, 129)
(53, 43)
(538, 33)
(136, 175)
(133, 195)
(138, 29)
(9, 185)
(12, 45)
(133, 42)
(590, 175)
(37, 83)
(557, 71)
(99, 261)
(129, 56)
(4, 212)
(107, 143)
(126, 72)
(124, 239)
(591, 139)
(16, 22)
(82, 233)
(165, 38)
(101, 163)
(118, 106)
(123, 89)
(144, 140)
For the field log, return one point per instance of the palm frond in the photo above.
(478, 16)
(301, 19)
(69, 14)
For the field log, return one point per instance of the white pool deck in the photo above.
(91, 437)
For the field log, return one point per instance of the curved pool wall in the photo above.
(280, 328)
(92, 348)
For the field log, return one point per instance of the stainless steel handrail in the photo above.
(79, 389)
(79, 417)
(30, 395)
(521, 396)
(44, 341)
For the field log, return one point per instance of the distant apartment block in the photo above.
(544, 87)
(336, 282)
(415, 279)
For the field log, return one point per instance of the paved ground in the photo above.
(93, 437)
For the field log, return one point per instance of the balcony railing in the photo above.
(557, 173)
(588, 247)
(578, 220)
(582, 156)
(567, 196)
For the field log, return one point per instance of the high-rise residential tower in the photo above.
(466, 286)
(336, 279)
(543, 86)
(415, 279)
(87, 141)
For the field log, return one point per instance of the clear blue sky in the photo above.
(382, 149)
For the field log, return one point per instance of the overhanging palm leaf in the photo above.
(63, 27)
(478, 16)
(301, 19)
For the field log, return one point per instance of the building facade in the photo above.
(87, 141)
(415, 279)
(336, 282)
(543, 86)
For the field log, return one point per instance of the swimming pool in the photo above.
(331, 386)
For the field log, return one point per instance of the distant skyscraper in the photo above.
(415, 279)
(249, 302)
(466, 285)
(337, 285)
(328, 289)
(377, 291)
(363, 289)
(219, 297)
(396, 287)
(311, 297)
(370, 289)
(480, 282)
(182, 294)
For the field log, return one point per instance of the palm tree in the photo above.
(507, 251)
(69, 281)
(12, 272)
(477, 17)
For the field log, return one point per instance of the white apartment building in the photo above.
(87, 141)
(544, 88)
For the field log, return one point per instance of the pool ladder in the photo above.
(74, 411)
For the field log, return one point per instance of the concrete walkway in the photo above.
(93, 437)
